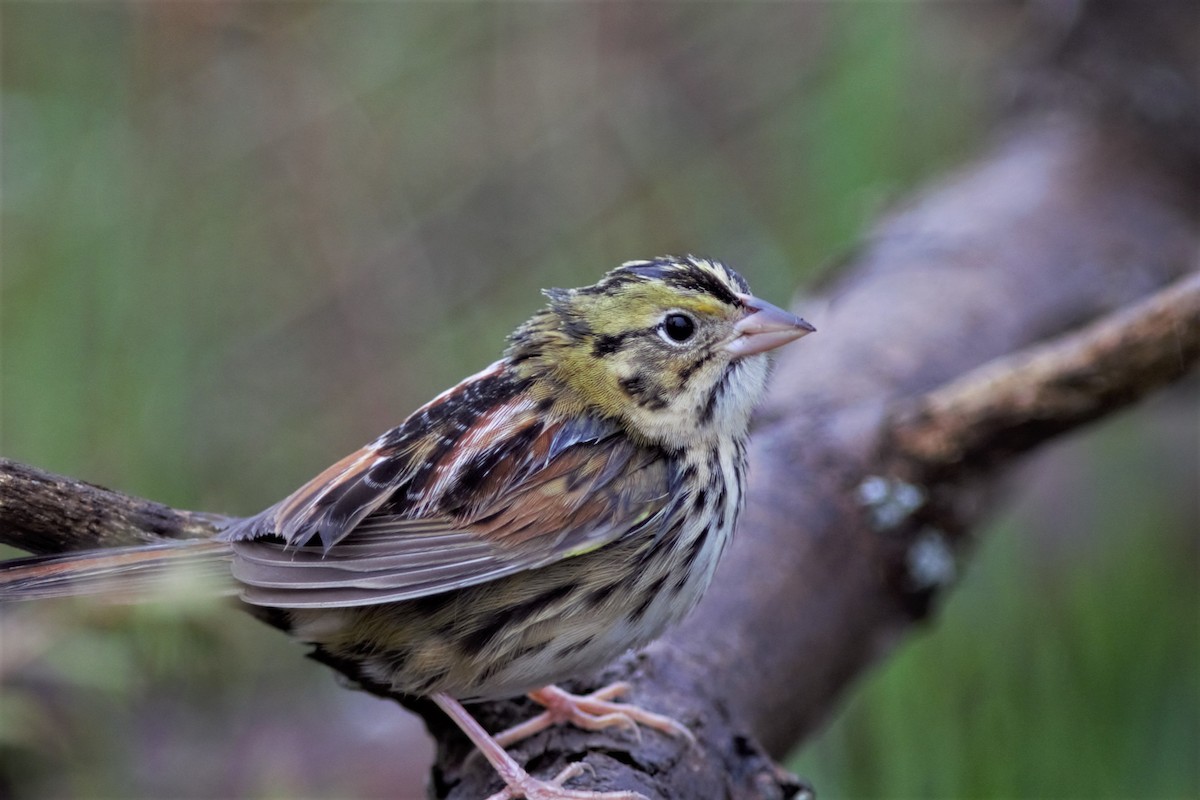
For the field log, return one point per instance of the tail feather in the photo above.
(119, 573)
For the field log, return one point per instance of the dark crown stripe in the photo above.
(687, 273)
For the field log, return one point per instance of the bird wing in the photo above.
(534, 495)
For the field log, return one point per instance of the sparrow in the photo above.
(532, 523)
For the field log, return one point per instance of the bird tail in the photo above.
(120, 573)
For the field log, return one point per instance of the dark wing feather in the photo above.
(572, 487)
(331, 505)
(327, 507)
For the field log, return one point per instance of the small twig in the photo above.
(1014, 403)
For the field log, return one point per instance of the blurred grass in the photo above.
(238, 240)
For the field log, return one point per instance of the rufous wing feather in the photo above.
(581, 489)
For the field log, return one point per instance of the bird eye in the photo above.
(678, 327)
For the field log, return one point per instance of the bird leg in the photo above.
(517, 782)
(591, 712)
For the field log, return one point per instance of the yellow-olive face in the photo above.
(662, 345)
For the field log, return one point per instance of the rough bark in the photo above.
(51, 513)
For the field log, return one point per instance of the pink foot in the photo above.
(531, 788)
(517, 782)
(591, 712)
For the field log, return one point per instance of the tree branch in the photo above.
(1015, 403)
(50, 513)
(825, 575)
(840, 551)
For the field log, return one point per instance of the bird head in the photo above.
(673, 348)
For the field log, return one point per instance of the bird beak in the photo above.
(764, 328)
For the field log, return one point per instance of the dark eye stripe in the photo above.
(608, 343)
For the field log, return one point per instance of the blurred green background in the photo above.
(241, 239)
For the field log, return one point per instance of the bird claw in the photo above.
(591, 712)
(531, 788)
(517, 782)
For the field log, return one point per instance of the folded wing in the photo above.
(542, 493)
